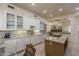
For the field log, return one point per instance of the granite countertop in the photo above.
(15, 35)
(61, 39)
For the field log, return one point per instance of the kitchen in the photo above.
(20, 27)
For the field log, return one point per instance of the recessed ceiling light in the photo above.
(69, 18)
(44, 11)
(77, 8)
(33, 3)
(50, 15)
(60, 9)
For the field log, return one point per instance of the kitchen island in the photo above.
(56, 46)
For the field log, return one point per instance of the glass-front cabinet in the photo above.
(42, 27)
(14, 21)
(19, 22)
(10, 21)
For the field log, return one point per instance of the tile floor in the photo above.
(72, 49)
(40, 50)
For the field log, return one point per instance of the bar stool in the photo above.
(30, 50)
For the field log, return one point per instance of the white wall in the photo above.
(74, 29)
(2, 16)
(65, 25)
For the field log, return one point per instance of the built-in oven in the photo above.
(6, 35)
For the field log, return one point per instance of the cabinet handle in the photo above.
(51, 44)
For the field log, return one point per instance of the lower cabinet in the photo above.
(54, 48)
(20, 45)
(37, 39)
(15, 45)
(10, 47)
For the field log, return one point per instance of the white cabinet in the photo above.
(26, 40)
(36, 39)
(14, 21)
(15, 45)
(19, 22)
(33, 40)
(22, 18)
(10, 46)
(20, 45)
(2, 16)
(10, 21)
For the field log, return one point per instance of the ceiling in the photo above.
(51, 8)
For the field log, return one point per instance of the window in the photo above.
(10, 21)
(19, 22)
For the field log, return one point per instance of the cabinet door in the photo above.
(36, 39)
(10, 21)
(26, 41)
(20, 45)
(19, 22)
(10, 47)
(33, 40)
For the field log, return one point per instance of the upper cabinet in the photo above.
(10, 21)
(42, 26)
(19, 22)
(14, 18)
(14, 21)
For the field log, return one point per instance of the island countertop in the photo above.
(61, 39)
